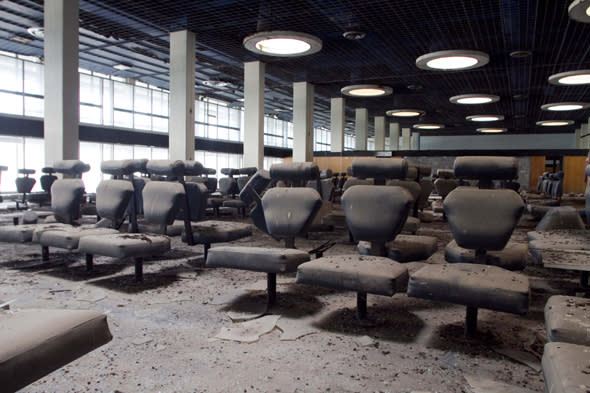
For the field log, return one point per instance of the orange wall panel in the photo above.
(574, 169)
(537, 169)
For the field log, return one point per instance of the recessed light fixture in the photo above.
(485, 117)
(354, 35)
(36, 31)
(282, 43)
(366, 90)
(473, 99)
(580, 77)
(122, 66)
(216, 83)
(415, 87)
(488, 130)
(428, 126)
(579, 10)
(564, 106)
(555, 123)
(520, 54)
(450, 60)
(405, 112)
(241, 99)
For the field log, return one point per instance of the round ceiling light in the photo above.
(405, 112)
(451, 60)
(216, 83)
(488, 130)
(366, 90)
(564, 106)
(36, 31)
(473, 99)
(555, 123)
(580, 77)
(485, 117)
(579, 10)
(282, 43)
(428, 126)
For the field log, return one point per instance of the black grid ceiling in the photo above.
(136, 32)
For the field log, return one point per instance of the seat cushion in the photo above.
(405, 248)
(566, 368)
(567, 319)
(370, 274)
(24, 233)
(411, 225)
(69, 239)
(513, 257)
(124, 245)
(236, 203)
(472, 285)
(258, 259)
(213, 231)
(33, 343)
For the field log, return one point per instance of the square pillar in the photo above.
(379, 132)
(415, 141)
(406, 135)
(361, 128)
(303, 102)
(394, 136)
(62, 83)
(181, 129)
(337, 119)
(254, 114)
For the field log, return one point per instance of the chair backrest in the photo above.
(483, 218)
(228, 186)
(162, 201)
(112, 199)
(66, 196)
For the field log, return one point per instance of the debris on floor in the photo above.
(249, 331)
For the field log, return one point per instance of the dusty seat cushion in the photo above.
(513, 257)
(566, 368)
(258, 259)
(36, 342)
(236, 203)
(405, 248)
(124, 245)
(24, 233)
(213, 231)
(472, 285)
(370, 274)
(289, 211)
(69, 239)
(411, 225)
(567, 319)
(560, 217)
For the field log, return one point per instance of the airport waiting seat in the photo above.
(162, 201)
(286, 212)
(112, 200)
(67, 194)
(565, 368)
(375, 214)
(3, 168)
(481, 219)
(34, 343)
(24, 185)
(567, 319)
(235, 203)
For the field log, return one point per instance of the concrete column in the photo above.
(361, 127)
(337, 119)
(577, 135)
(585, 130)
(303, 101)
(415, 141)
(254, 114)
(61, 81)
(181, 130)
(394, 136)
(379, 132)
(406, 135)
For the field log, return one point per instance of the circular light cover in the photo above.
(485, 117)
(564, 106)
(580, 77)
(366, 90)
(405, 112)
(282, 43)
(555, 123)
(428, 126)
(451, 60)
(473, 99)
(490, 130)
(579, 10)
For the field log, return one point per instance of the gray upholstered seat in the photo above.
(480, 219)
(34, 343)
(565, 368)
(567, 319)
(405, 248)
(162, 201)
(214, 231)
(283, 213)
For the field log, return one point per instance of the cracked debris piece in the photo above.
(295, 328)
(249, 331)
(142, 340)
(366, 341)
(522, 357)
(481, 384)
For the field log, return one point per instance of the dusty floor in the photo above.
(164, 328)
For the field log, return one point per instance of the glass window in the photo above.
(91, 153)
(123, 96)
(90, 90)
(34, 106)
(141, 152)
(142, 122)
(122, 152)
(107, 102)
(90, 114)
(160, 103)
(11, 74)
(34, 78)
(11, 103)
(123, 119)
(142, 100)
(159, 153)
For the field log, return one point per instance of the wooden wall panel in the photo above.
(574, 168)
(537, 169)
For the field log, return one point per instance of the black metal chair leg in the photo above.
(89, 262)
(139, 269)
(361, 305)
(44, 253)
(470, 322)
(271, 288)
